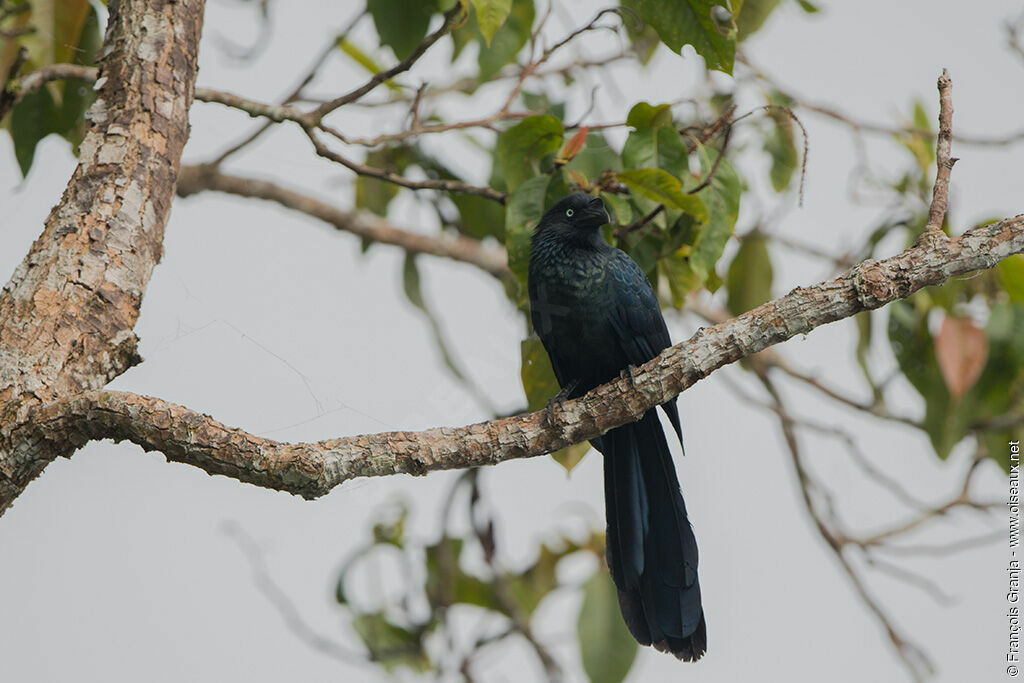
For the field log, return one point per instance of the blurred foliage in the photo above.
(461, 574)
(57, 31)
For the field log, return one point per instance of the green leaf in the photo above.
(865, 329)
(33, 119)
(359, 56)
(781, 146)
(606, 646)
(447, 583)
(525, 208)
(661, 187)
(596, 157)
(620, 206)
(490, 15)
(539, 381)
(655, 143)
(401, 24)
(915, 352)
(58, 25)
(644, 115)
(507, 41)
(374, 194)
(690, 22)
(540, 386)
(722, 199)
(1000, 389)
(1011, 274)
(411, 286)
(643, 40)
(67, 31)
(479, 217)
(749, 279)
(542, 104)
(68, 19)
(391, 645)
(532, 585)
(571, 456)
(680, 276)
(753, 15)
(77, 96)
(921, 147)
(521, 147)
(806, 6)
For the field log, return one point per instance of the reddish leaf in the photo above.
(581, 180)
(962, 351)
(575, 144)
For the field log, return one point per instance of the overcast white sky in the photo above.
(115, 565)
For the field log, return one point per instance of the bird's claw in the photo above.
(558, 398)
(629, 371)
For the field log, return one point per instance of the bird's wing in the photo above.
(637, 320)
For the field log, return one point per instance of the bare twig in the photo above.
(296, 92)
(717, 162)
(283, 604)
(456, 186)
(493, 260)
(918, 663)
(451, 18)
(640, 222)
(944, 162)
(881, 129)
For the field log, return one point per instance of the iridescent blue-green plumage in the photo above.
(597, 315)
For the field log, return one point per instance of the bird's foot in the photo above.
(558, 398)
(629, 371)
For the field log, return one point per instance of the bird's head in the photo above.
(578, 214)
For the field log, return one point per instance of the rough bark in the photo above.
(67, 313)
(312, 469)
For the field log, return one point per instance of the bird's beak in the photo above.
(595, 212)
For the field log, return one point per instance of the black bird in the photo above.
(597, 315)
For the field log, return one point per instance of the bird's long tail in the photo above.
(652, 553)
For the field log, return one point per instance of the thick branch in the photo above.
(66, 315)
(195, 179)
(313, 469)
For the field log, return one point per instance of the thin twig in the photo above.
(456, 186)
(295, 93)
(450, 20)
(283, 604)
(872, 127)
(916, 661)
(493, 260)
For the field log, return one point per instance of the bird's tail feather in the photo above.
(652, 553)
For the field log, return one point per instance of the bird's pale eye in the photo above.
(569, 212)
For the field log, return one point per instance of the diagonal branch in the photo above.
(456, 186)
(313, 469)
(451, 18)
(493, 260)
